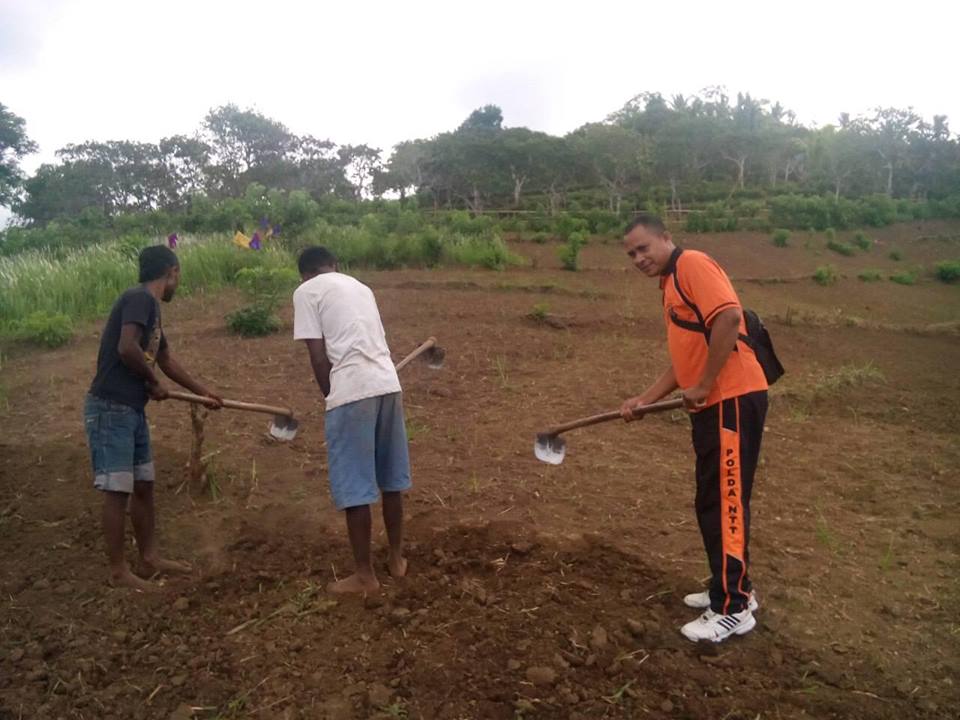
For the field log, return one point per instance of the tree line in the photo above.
(677, 151)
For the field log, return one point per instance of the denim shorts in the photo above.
(119, 441)
(367, 450)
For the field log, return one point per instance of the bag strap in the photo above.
(700, 326)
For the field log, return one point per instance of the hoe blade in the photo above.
(550, 448)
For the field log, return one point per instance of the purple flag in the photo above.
(172, 241)
(276, 229)
(255, 242)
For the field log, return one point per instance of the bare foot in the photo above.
(354, 584)
(125, 578)
(397, 566)
(159, 565)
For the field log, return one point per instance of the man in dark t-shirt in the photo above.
(131, 346)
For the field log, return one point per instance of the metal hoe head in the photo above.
(284, 427)
(549, 448)
(435, 357)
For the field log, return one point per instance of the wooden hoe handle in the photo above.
(234, 404)
(614, 414)
(424, 346)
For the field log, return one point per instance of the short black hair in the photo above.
(155, 261)
(648, 221)
(314, 258)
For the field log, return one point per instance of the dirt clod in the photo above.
(599, 639)
(541, 676)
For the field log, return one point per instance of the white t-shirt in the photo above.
(342, 312)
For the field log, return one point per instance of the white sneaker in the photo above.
(701, 601)
(717, 628)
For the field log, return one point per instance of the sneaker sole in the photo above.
(742, 629)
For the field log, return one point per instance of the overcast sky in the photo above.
(382, 72)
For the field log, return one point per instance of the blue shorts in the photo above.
(119, 441)
(367, 450)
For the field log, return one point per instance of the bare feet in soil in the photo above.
(354, 584)
(397, 566)
(126, 579)
(149, 568)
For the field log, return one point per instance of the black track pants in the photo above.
(726, 438)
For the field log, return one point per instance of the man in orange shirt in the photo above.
(725, 390)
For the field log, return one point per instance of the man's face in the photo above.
(648, 250)
(173, 280)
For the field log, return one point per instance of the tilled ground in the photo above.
(534, 591)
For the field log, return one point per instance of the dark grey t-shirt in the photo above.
(114, 380)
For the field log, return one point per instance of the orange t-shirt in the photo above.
(706, 285)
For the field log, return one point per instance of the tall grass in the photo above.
(84, 284)
(367, 246)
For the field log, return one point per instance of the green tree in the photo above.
(361, 163)
(618, 156)
(14, 146)
(246, 147)
(405, 170)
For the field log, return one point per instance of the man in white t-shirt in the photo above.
(367, 454)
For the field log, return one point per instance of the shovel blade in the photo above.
(284, 427)
(435, 357)
(550, 449)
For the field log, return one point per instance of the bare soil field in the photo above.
(534, 591)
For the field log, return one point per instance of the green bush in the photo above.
(539, 312)
(603, 222)
(43, 328)
(566, 225)
(904, 278)
(895, 255)
(948, 271)
(825, 275)
(489, 253)
(781, 237)
(870, 275)
(861, 240)
(569, 252)
(253, 321)
(431, 246)
(461, 222)
(831, 234)
(840, 247)
(268, 286)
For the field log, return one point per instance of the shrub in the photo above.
(603, 222)
(831, 234)
(489, 253)
(781, 237)
(904, 278)
(268, 286)
(431, 246)
(870, 275)
(43, 328)
(566, 225)
(861, 240)
(539, 312)
(895, 255)
(825, 275)
(569, 253)
(253, 321)
(948, 271)
(840, 247)
(461, 222)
